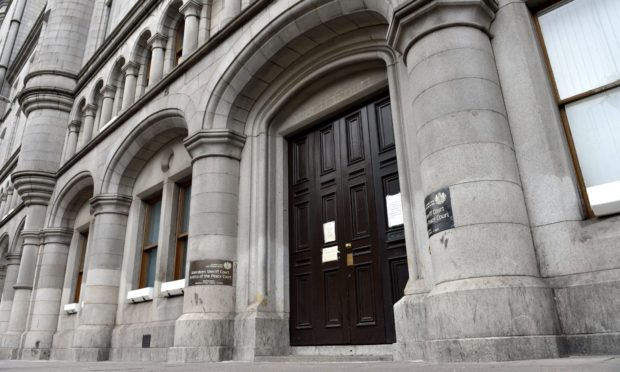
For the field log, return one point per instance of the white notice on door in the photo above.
(330, 254)
(329, 231)
(394, 207)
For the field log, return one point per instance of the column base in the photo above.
(494, 349)
(593, 344)
(90, 354)
(203, 337)
(261, 333)
(199, 354)
(35, 354)
(36, 345)
(93, 343)
(410, 324)
(9, 345)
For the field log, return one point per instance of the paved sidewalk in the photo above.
(580, 364)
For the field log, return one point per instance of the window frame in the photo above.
(180, 236)
(562, 103)
(144, 247)
(81, 259)
(179, 35)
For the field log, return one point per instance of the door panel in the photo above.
(336, 173)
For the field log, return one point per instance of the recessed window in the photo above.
(150, 242)
(180, 257)
(83, 242)
(178, 41)
(582, 43)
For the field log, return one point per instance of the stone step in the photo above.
(325, 358)
(340, 353)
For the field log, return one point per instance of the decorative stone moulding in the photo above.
(73, 308)
(140, 295)
(174, 288)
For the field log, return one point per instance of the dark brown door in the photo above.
(348, 267)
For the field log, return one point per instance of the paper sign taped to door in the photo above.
(394, 207)
(330, 254)
(329, 231)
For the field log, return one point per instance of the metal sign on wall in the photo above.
(211, 272)
(438, 211)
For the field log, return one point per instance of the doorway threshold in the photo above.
(337, 353)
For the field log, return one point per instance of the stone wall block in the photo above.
(482, 250)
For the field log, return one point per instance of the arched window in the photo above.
(178, 40)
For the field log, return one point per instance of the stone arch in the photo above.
(281, 44)
(130, 155)
(16, 244)
(116, 79)
(4, 246)
(78, 111)
(167, 26)
(70, 199)
(141, 54)
(93, 97)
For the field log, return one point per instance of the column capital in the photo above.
(34, 187)
(157, 41)
(31, 237)
(215, 142)
(191, 8)
(413, 21)
(108, 91)
(89, 110)
(57, 235)
(110, 204)
(131, 68)
(13, 258)
(74, 125)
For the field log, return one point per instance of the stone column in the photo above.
(191, 11)
(232, 8)
(12, 268)
(488, 301)
(91, 341)
(205, 331)
(10, 199)
(3, 204)
(74, 132)
(205, 22)
(9, 40)
(107, 105)
(157, 43)
(89, 123)
(131, 80)
(21, 299)
(37, 341)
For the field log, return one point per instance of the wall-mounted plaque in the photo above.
(438, 211)
(211, 272)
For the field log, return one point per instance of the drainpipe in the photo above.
(9, 43)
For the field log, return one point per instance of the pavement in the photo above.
(573, 364)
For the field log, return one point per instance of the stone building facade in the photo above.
(206, 180)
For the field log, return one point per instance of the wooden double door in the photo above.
(348, 261)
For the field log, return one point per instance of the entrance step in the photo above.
(349, 353)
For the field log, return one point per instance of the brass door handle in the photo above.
(348, 245)
(349, 259)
